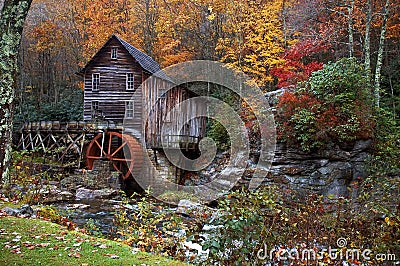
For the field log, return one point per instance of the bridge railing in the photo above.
(186, 142)
(70, 126)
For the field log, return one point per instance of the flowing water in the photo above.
(94, 214)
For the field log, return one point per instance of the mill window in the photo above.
(114, 53)
(95, 105)
(130, 85)
(95, 81)
(129, 109)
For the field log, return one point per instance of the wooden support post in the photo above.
(155, 156)
(23, 141)
(81, 152)
(102, 144)
(30, 138)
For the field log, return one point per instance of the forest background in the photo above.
(278, 43)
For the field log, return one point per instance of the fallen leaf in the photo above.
(112, 256)
(17, 238)
(16, 251)
(75, 255)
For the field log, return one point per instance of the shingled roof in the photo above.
(145, 61)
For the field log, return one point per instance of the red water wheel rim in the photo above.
(123, 150)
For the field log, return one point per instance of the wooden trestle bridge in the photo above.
(79, 143)
(72, 143)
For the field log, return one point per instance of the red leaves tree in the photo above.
(300, 61)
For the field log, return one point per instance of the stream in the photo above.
(97, 212)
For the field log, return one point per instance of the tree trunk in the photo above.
(367, 41)
(350, 8)
(13, 14)
(377, 85)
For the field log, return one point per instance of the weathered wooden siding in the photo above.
(159, 101)
(112, 93)
(151, 99)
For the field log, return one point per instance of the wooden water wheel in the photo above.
(124, 151)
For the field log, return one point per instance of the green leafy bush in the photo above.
(219, 134)
(334, 105)
(387, 145)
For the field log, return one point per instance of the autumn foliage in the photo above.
(333, 106)
(278, 43)
(300, 61)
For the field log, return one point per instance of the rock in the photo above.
(11, 211)
(66, 195)
(51, 189)
(323, 162)
(84, 193)
(26, 210)
(325, 171)
(131, 207)
(114, 181)
(78, 206)
(210, 227)
(105, 193)
(54, 183)
(194, 246)
(362, 145)
(190, 208)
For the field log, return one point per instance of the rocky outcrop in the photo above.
(328, 171)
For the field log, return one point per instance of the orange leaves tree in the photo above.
(49, 56)
(190, 29)
(96, 21)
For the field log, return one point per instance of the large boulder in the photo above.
(105, 193)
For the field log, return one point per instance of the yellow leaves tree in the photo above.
(257, 38)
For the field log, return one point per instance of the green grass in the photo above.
(38, 242)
